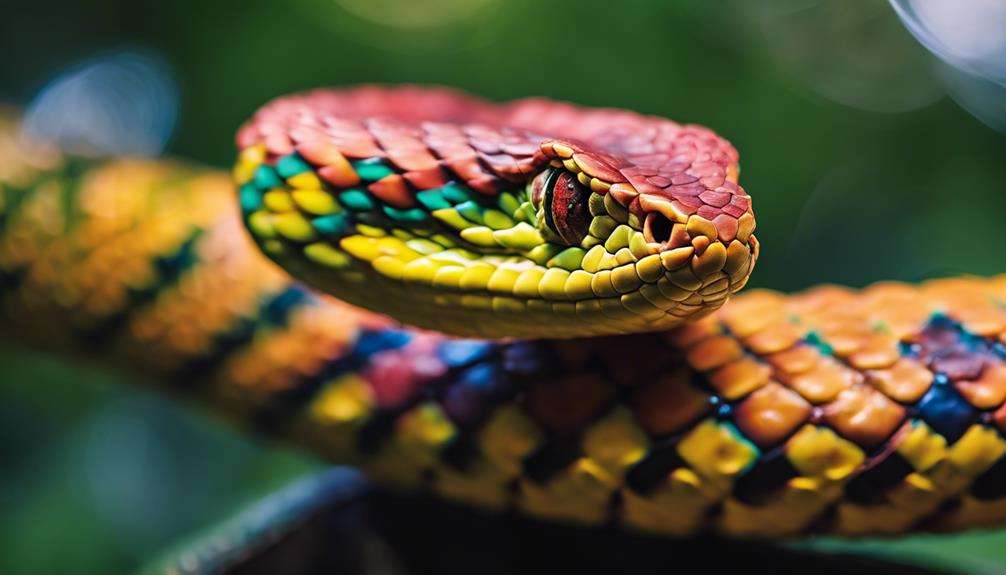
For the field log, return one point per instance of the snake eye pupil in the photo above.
(567, 212)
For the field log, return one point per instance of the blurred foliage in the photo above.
(97, 477)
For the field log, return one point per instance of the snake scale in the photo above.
(593, 246)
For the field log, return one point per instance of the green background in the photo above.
(861, 167)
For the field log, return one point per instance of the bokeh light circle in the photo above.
(969, 37)
(121, 103)
(852, 52)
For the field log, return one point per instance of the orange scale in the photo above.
(906, 381)
(426, 179)
(339, 174)
(393, 190)
(848, 339)
(810, 322)
(904, 325)
(987, 321)
(798, 359)
(880, 351)
(824, 382)
(771, 414)
(737, 379)
(358, 147)
(989, 390)
(320, 152)
(864, 415)
(775, 338)
(713, 353)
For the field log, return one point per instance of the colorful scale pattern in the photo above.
(829, 411)
(420, 203)
(878, 411)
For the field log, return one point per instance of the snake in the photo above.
(524, 308)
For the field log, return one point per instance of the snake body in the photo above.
(829, 411)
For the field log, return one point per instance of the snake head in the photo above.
(455, 214)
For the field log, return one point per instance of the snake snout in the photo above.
(701, 266)
(644, 248)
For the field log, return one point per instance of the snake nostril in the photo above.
(657, 228)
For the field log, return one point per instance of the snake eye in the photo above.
(567, 210)
(538, 185)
